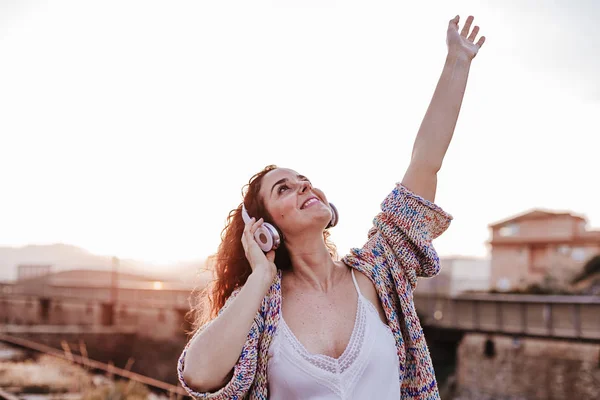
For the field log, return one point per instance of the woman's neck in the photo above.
(312, 265)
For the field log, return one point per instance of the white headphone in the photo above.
(269, 238)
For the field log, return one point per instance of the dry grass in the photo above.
(129, 390)
(51, 375)
(46, 375)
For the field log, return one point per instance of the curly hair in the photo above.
(229, 265)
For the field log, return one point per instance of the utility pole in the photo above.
(108, 308)
(114, 282)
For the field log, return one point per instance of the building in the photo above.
(458, 274)
(148, 306)
(540, 247)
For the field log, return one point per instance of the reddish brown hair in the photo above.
(229, 265)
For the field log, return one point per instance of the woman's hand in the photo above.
(462, 44)
(259, 261)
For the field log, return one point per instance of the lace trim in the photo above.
(328, 363)
(333, 382)
(340, 375)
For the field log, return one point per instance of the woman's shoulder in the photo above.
(369, 291)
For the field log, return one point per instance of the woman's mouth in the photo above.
(310, 202)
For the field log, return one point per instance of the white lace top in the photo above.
(367, 369)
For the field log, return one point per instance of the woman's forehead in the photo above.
(276, 175)
(280, 173)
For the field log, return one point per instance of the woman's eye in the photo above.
(282, 188)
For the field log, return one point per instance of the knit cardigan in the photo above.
(397, 251)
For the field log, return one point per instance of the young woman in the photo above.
(293, 322)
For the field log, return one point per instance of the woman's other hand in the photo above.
(463, 44)
(259, 261)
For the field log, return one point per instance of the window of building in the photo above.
(503, 284)
(563, 249)
(578, 254)
(509, 230)
(489, 348)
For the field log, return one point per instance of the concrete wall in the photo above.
(156, 323)
(510, 266)
(526, 369)
(552, 227)
(522, 264)
(469, 274)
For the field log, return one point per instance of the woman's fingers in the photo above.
(473, 34)
(467, 26)
(245, 234)
(244, 241)
(248, 224)
(255, 226)
(250, 229)
(271, 256)
(481, 41)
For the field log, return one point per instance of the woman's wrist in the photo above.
(455, 57)
(263, 277)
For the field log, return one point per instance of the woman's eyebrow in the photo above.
(301, 177)
(277, 183)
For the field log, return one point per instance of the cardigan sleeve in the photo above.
(406, 226)
(243, 370)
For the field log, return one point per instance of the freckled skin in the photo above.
(324, 323)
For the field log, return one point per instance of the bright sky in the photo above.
(129, 127)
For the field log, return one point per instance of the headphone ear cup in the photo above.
(267, 237)
(334, 216)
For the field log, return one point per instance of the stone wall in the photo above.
(490, 367)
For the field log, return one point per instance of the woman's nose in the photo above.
(303, 186)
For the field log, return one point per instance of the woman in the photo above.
(295, 322)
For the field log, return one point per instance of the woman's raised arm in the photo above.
(439, 122)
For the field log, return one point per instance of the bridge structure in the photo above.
(155, 313)
(545, 316)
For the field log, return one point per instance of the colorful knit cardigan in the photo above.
(397, 251)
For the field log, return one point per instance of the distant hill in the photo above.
(64, 257)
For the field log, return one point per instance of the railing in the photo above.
(147, 297)
(19, 330)
(561, 317)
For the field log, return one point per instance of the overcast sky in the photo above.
(129, 127)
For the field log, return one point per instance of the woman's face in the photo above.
(293, 203)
